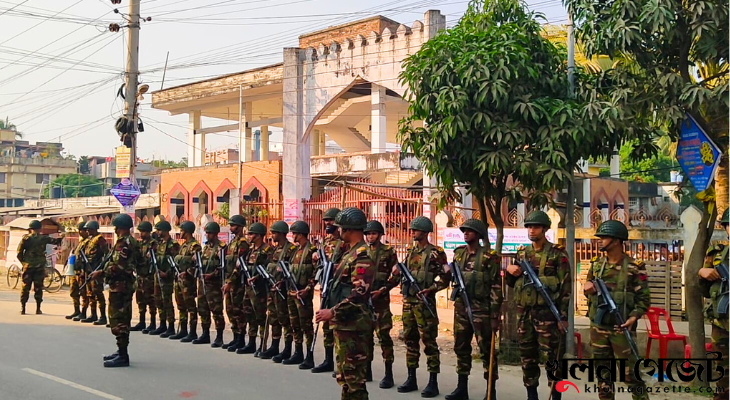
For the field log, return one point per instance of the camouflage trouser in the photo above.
(418, 323)
(720, 343)
(75, 293)
(463, 334)
(300, 318)
(145, 294)
(352, 361)
(382, 326)
(234, 307)
(254, 308)
(163, 300)
(120, 316)
(278, 316)
(185, 293)
(538, 336)
(211, 302)
(96, 293)
(607, 344)
(328, 336)
(33, 276)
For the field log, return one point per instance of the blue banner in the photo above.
(698, 156)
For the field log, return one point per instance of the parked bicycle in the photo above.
(52, 282)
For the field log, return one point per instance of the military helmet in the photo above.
(144, 226)
(237, 220)
(212, 227)
(725, 217)
(351, 218)
(163, 226)
(614, 229)
(81, 226)
(422, 224)
(538, 217)
(35, 224)
(257, 228)
(187, 226)
(331, 213)
(375, 226)
(280, 227)
(300, 227)
(121, 221)
(95, 224)
(476, 226)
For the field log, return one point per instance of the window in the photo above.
(2, 202)
(41, 178)
(2, 177)
(19, 202)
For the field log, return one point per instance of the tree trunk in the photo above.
(483, 214)
(695, 301)
(721, 184)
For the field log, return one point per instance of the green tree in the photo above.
(653, 169)
(84, 165)
(166, 164)
(76, 185)
(676, 56)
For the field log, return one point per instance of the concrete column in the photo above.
(322, 144)
(433, 22)
(615, 164)
(521, 212)
(193, 126)
(466, 202)
(264, 146)
(315, 142)
(377, 118)
(244, 134)
(586, 203)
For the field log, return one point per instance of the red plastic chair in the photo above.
(655, 333)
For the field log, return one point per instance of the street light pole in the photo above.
(132, 80)
(570, 208)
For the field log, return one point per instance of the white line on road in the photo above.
(72, 384)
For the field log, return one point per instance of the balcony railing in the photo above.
(50, 162)
(356, 163)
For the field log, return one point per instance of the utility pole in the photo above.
(570, 208)
(132, 81)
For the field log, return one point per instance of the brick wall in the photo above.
(348, 31)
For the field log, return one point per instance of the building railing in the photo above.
(51, 162)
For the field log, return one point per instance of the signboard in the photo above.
(698, 156)
(513, 239)
(291, 210)
(126, 192)
(123, 157)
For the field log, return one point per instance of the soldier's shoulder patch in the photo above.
(594, 259)
(386, 247)
(362, 249)
(522, 248)
(558, 246)
(439, 249)
(493, 252)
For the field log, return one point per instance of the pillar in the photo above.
(194, 142)
(244, 133)
(586, 203)
(377, 118)
(521, 213)
(264, 144)
(615, 164)
(316, 133)
(322, 144)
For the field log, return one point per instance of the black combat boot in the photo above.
(193, 333)
(432, 389)
(250, 348)
(38, 308)
(160, 329)
(369, 373)
(327, 365)
(82, 315)
(462, 389)
(122, 360)
(152, 326)
(241, 343)
(170, 330)
(556, 395)
(111, 356)
(387, 381)
(411, 383)
(102, 321)
(75, 313)
(308, 362)
(141, 325)
(218, 342)
(92, 318)
(232, 342)
(272, 350)
(182, 333)
(285, 354)
(532, 393)
(204, 338)
(297, 357)
(22, 308)
(494, 393)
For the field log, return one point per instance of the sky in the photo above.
(61, 68)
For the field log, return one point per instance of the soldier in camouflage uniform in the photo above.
(210, 298)
(186, 289)
(347, 310)
(538, 331)
(95, 250)
(76, 280)
(32, 254)
(145, 293)
(385, 259)
(276, 306)
(333, 248)
(482, 276)
(626, 279)
(235, 291)
(300, 315)
(165, 248)
(711, 286)
(119, 274)
(254, 304)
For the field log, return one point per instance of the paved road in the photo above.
(43, 357)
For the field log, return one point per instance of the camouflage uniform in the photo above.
(275, 305)
(77, 280)
(333, 248)
(254, 305)
(538, 332)
(716, 255)
(627, 283)
(352, 319)
(185, 287)
(484, 290)
(385, 259)
(145, 293)
(164, 290)
(301, 316)
(119, 274)
(32, 254)
(95, 250)
(212, 300)
(234, 299)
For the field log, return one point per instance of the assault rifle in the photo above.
(284, 266)
(171, 260)
(531, 279)
(459, 289)
(199, 270)
(608, 305)
(246, 275)
(265, 274)
(324, 287)
(408, 282)
(723, 305)
(98, 267)
(154, 265)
